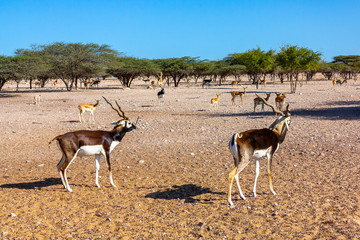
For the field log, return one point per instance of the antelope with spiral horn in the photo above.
(87, 143)
(255, 144)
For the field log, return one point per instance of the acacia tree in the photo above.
(294, 59)
(73, 61)
(126, 69)
(8, 70)
(31, 65)
(256, 61)
(176, 68)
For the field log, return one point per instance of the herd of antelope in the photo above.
(244, 147)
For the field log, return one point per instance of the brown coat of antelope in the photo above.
(88, 143)
(255, 144)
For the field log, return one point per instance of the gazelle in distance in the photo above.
(257, 101)
(37, 99)
(88, 108)
(263, 81)
(55, 83)
(160, 81)
(88, 143)
(234, 83)
(214, 102)
(280, 100)
(237, 93)
(255, 144)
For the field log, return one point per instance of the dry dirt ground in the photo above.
(172, 173)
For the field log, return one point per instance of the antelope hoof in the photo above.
(255, 194)
(69, 189)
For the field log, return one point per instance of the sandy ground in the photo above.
(172, 173)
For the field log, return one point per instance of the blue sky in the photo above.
(209, 29)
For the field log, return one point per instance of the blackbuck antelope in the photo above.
(280, 100)
(237, 93)
(214, 102)
(257, 101)
(88, 143)
(161, 95)
(88, 107)
(206, 83)
(95, 83)
(255, 144)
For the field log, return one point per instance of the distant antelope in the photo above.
(37, 84)
(88, 107)
(87, 143)
(214, 102)
(206, 83)
(160, 81)
(263, 81)
(280, 100)
(255, 144)
(234, 83)
(37, 99)
(55, 83)
(237, 93)
(161, 95)
(257, 101)
(95, 83)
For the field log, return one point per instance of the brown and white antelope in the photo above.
(237, 93)
(214, 102)
(88, 143)
(255, 144)
(55, 83)
(257, 101)
(160, 81)
(280, 100)
(263, 81)
(88, 107)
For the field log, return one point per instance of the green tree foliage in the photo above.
(126, 69)
(256, 61)
(32, 65)
(8, 70)
(294, 59)
(73, 61)
(176, 68)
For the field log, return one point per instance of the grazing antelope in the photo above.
(237, 93)
(255, 144)
(257, 101)
(234, 83)
(206, 83)
(280, 100)
(88, 107)
(37, 99)
(87, 143)
(87, 83)
(214, 102)
(339, 82)
(161, 95)
(37, 84)
(263, 81)
(95, 83)
(55, 83)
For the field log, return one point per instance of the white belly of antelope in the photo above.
(261, 153)
(90, 150)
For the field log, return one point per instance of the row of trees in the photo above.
(73, 62)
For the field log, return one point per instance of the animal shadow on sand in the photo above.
(33, 185)
(186, 192)
(338, 110)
